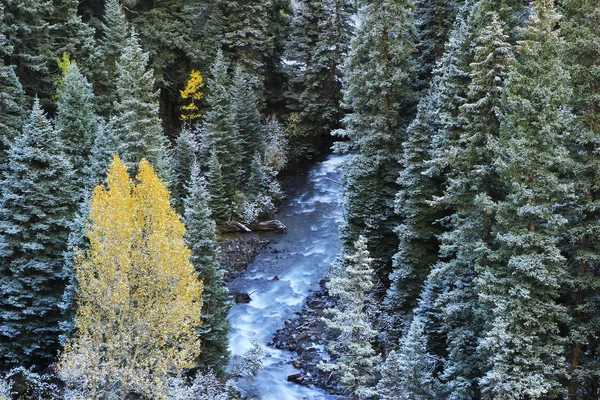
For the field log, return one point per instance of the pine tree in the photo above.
(279, 17)
(139, 297)
(357, 359)
(246, 115)
(219, 132)
(136, 119)
(38, 200)
(524, 346)
(382, 50)
(76, 121)
(112, 44)
(104, 148)
(200, 238)
(582, 57)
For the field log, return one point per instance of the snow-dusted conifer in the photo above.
(200, 238)
(76, 121)
(356, 359)
(38, 199)
(524, 347)
(220, 204)
(184, 159)
(246, 115)
(136, 120)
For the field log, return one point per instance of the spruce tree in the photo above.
(220, 204)
(200, 238)
(112, 45)
(472, 191)
(76, 121)
(246, 39)
(246, 115)
(434, 20)
(382, 50)
(104, 148)
(318, 44)
(184, 159)
(279, 17)
(11, 97)
(524, 346)
(219, 132)
(136, 120)
(38, 200)
(356, 359)
(582, 57)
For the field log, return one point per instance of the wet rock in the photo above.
(275, 278)
(242, 298)
(237, 252)
(296, 378)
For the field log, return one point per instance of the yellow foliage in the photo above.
(193, 94)
(139, 297)
(63, 63)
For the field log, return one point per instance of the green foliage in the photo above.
(37, 203)
(200, 238)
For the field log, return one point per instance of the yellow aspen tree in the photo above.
(193, 95)
(139, 297)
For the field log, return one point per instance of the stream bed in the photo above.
(283, 276)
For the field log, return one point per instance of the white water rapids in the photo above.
(300, 258)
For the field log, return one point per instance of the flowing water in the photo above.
(299, 258)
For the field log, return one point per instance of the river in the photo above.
(299, 258)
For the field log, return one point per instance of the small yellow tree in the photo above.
(139, 296)
(193, 95)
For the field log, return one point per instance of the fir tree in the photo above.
(357, 359)
(582, 57)
(76, 121)
(200, 238)
(524, 347)
(38, 201)
(219, 132)
(382, 50)
(104, 148)
(136, 120)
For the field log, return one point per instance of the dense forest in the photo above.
(131, 130)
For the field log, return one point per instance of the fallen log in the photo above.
(238, 227)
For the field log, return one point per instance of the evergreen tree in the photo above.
(200, 238)
(582, 57)
(382, 50)
(246, 115)
(104, 148)
(246, 39)
(222, 208)
(76, 121)
(136, 120)
(112, 45)
(524, 346)
(279, 17)
(433, 21)
(11, 97)
(407, 375)
(184, 158)
(38, 200)
(318, 45)
(472, 191)
(357, 359)
(220, 132)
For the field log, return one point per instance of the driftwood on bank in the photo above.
(238, 227)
